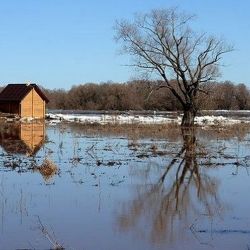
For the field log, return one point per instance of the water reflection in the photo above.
(177, 184)
(182, 192)
(22, 138)
(21, 142)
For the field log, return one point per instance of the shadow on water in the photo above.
(181, 193)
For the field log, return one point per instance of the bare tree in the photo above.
(163, 43)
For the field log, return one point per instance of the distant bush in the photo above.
(133, 95)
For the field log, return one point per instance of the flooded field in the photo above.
(70, 186)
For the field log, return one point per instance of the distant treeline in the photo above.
(135, 95)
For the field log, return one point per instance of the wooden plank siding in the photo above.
(38, 105)
(26, 105)
(32, 105)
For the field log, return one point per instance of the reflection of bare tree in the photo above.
(182, 192)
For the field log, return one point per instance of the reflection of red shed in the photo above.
(25, 100)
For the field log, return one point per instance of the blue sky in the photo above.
(60, 43)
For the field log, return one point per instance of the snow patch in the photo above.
(139, 119)
(110, 119)
(216, 120)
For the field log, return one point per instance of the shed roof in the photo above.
(16, 92)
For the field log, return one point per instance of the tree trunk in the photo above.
(189, 114)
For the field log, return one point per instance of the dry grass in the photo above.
(128, 130)
(48, 169)
(227, 132)
(171, 132)
(50, 236)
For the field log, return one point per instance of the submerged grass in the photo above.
(230, 131)
(165, 186)
(171, 131)
(135, 130)
(47, 169)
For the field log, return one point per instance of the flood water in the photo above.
(103, 188)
